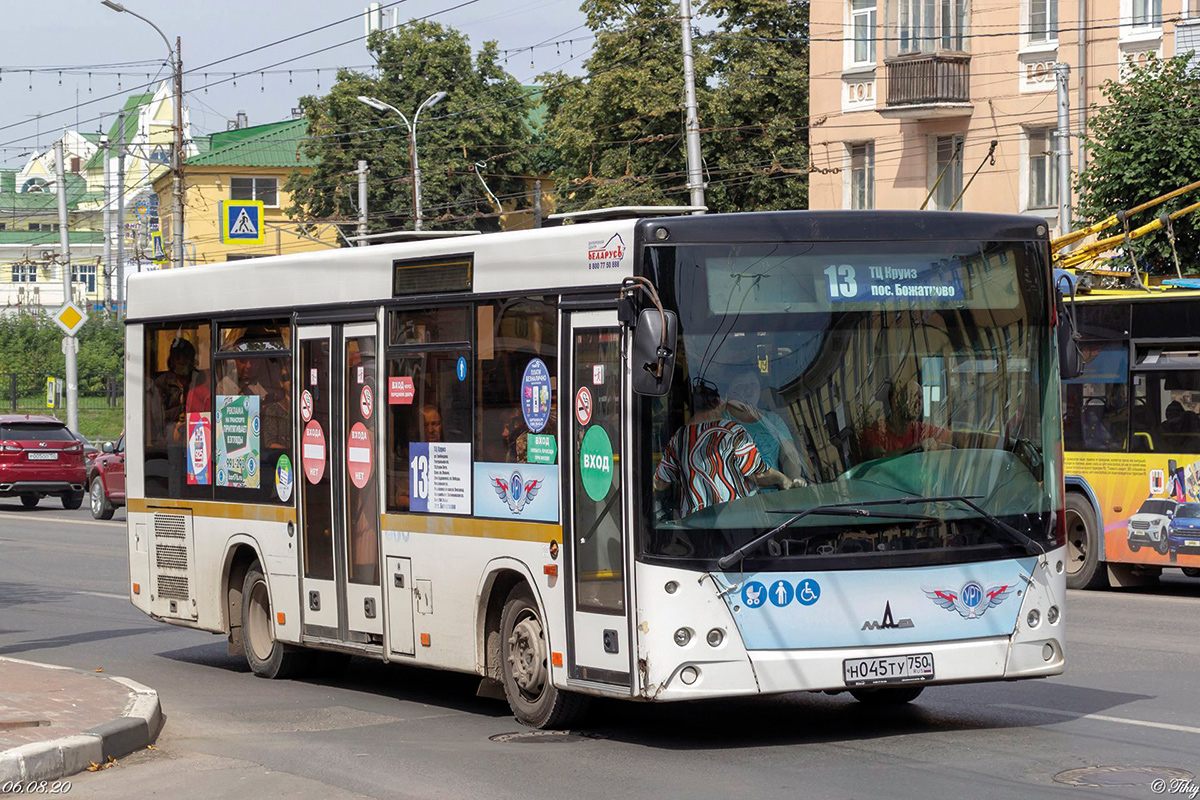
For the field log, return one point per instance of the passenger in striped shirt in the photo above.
(713, 460)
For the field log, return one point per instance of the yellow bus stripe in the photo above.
(208, 508)
(471, 526)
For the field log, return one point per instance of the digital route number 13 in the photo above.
(842, 281)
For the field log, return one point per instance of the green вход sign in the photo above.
(541, 448)
(596, 463)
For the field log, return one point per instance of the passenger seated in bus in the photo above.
(713, 460)
(173, 394)
(1178, 427)
(432, 419)
(768, 430)
(902, 427)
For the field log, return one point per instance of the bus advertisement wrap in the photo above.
(1151, 503)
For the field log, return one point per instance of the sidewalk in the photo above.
(55, 721)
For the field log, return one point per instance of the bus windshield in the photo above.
(844, 373)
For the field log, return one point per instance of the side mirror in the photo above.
(1070, 358)
(653, 353)
(107, 447)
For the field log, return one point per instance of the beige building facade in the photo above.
(908, 96)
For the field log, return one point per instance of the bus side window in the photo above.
(178, 416)
(1096, 404)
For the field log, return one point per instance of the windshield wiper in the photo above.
(968, 501)
(850, 510)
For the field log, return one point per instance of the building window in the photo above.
(1043, 21)
(862, 176)
(1042, 173)
(925, 26)
(84, 275)
(948, 167)
(1147, 13)
(862, 22)
(43, 226)
(34, 186)
(264, 189)
(24, 273)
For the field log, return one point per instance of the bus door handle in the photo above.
(398, 579)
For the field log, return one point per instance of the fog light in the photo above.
(1047, 651)
(715, 637)
(689, 675)
(1034, 618)
(683, 636)
(1052, 615)
(1058, 567)
(671, 587)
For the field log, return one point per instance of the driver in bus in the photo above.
(713, 460)
(770, 433)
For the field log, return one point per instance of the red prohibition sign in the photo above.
(366, 402)
(583, 406)
(306, 405)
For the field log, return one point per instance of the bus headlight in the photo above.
(683, 636)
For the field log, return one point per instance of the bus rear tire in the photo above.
(1192, 572)
(267, 657)
(525, 665)
(891, 696)
(1085, 568)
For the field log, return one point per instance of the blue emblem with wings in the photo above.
(972, 599)
(516, 492)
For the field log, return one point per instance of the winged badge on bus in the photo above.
(972, 600)
(516, 492)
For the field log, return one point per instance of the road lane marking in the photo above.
(68, 521)
(104, 594)
(1166, 726)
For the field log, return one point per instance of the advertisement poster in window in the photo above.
(199, 448)
(439, 477)
(239, 456)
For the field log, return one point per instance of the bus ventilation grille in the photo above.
(170, 556)
(174, 587)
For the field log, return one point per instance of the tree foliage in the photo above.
(757, 155)
(1142, 143)
(619, 131)
(34, 345)
(482, 121)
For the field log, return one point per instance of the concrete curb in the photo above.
(138, 726)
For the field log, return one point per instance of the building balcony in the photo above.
(928, 85)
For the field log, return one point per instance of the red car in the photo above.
(39, 456)
(106, 480)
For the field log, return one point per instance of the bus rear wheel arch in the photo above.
(267, 657)
(1085, 564)
(525, 666)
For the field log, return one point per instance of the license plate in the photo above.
(43, 456)
(889, 669)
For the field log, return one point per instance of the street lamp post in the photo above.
(177, 146)
(430, 101)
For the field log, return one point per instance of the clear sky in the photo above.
(82, 36)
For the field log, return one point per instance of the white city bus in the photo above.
(659, 458)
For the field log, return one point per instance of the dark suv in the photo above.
(106, 480)
(39, 456)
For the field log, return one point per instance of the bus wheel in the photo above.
(896, 696)
(525, 662)
(1192, 572)
(267, 658)
(1085, 569)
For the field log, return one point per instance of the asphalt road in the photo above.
(1131, 697)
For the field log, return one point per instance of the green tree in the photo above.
(1143, 143)
(619, 131)
(757, 153)
(483, 120)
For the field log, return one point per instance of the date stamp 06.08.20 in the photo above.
(1176, 787)
(34, 787)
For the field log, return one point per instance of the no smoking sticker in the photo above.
(583, 406)
(306, 405)
(366, 402)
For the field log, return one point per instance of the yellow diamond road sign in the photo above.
(70, 318)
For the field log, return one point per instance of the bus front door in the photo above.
(600, 645)
(339, 496)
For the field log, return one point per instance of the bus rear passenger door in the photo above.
(600, 648)
(318, 522)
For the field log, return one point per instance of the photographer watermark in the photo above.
(1176, 787)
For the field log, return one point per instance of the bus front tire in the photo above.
(525, 665)
(1085, 567)
(891, 696)
(267, 657)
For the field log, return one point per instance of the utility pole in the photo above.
(695, 166)
(1062, 162)
(177, 157)
(537, 204)
(120, 216)
(70, 343)
(362, 203)
(108, 198)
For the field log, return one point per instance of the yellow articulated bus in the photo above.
(799, 451)
(1132, 433)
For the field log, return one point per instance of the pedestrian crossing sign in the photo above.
(160, 253)
(242, 222)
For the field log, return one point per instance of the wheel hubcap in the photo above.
(258, 622)
(527, 656)
(1077, 544)
(97, 497)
